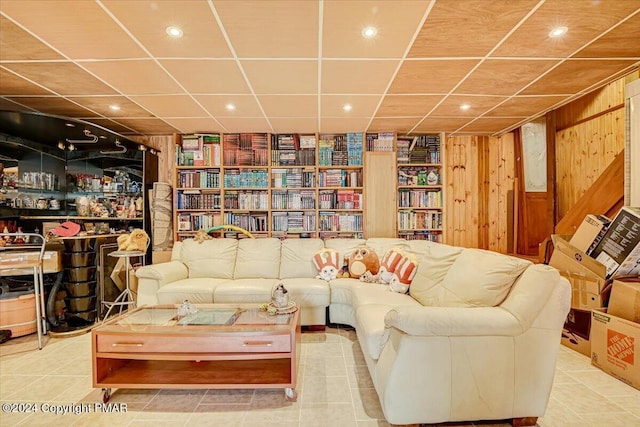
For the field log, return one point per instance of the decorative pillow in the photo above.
(326, 261)
(397, 270)
(363, 259)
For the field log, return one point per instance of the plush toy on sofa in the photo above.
(138, 240)
(326, 261)
(363, 259)
(397, 270)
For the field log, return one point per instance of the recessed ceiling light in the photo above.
(102, 137)
(230, 107)
(347, 107)
(71, 125)
(557, 32)
(174, 32)
(465, 107)
(369, 32)
(114, 107)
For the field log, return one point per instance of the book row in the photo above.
(409, 198)
(412, 220)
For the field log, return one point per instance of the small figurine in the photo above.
(186, 309)
(280, 297)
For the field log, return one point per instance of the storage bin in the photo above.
(18, 313)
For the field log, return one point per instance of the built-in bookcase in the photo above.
(420, 187)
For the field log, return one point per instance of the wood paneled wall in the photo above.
(166, 158)
(479, 182)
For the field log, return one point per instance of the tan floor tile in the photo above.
(9, 384)
(320, 337)
(271, 416)
(326, 389)
(621, 419)
(133, 395)
(373, 423)
(559, 415)
(175, 401)
(329, 414)
(48, 419)
(353, 354)
(270, 398)
(44, 389)
(603, 383)
(98, 419)
(207, 418)
(631, 404)
(157, 423)
(366, 404)
(77, 388)
(583, 400)
(325, 366)
(328, 349)
(178, 417)
(14, 418)
(359, 377)
(242, 396)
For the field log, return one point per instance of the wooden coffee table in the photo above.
(221, 346)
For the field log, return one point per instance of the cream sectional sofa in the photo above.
(475, 339)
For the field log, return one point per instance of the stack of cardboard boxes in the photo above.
(602, 261)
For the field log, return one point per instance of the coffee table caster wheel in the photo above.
(290, 394)
(106, 395)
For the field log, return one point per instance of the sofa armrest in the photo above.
(453, 321)
(163, 273)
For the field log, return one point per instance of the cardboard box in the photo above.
(590, 233)
(586, 275)
(625, 300)
(51, 262)
(615, 346)
(576, 331)
(619, 249)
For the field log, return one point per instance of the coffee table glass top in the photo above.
(217, 316)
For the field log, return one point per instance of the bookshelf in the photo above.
(420, 198)
(273, 185)
(340, 185)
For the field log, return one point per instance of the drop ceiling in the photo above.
(291, 66)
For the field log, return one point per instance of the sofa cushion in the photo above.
(213, 258)
(258, 259)
(296, 259)
(370, 328)
(382, 245)
(197, 291)
(342, 290)
(345, 247)
(308, 292)
(432, 268)
(476, 278)
(244, 291)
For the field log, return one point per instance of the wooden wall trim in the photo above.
(552, 203)
(483, 191)
(594, 116)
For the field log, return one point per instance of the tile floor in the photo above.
(334, 390)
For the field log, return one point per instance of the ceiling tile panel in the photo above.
(245, 105)
(525, 106)
(9, 105)
(361, 105)
(398, 124)
(616, 43)
(111, 125)
(282, 77)
(441, 124)
(503, 77)
(407, 105)
(271, 29)
(490, 124)
(57, 106)
(64, 78)
(149, 126)
(289, 106)
(171, 105)
(201, 125)
(10, 84)
(575, 75)
(15, 43)
(102, 104)
(433, 76)
(74, 20)
(342, 125)
(148, 21)
(585, 21)
(343, 22)
(467, 27)
(142, 77)
(295, 125)
(208, 76)
(245, 124)
(357, 76)
(477, 105)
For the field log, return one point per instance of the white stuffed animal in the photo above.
(328, 272)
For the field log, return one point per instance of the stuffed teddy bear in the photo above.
(363, 259)
(138, 240)
(201, 236)
(326, 261)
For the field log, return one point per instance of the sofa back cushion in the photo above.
(459, 277)
(381, 245)
(345, 247)
(296, 259)
(215, 258)
(258, 259)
